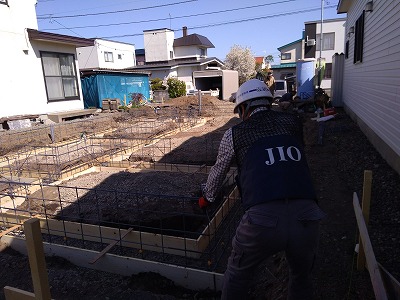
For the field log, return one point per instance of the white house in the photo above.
(371, 72)
(167, 56)
(333, 32)
(332, 42)
(105, 54)
(290, 53)
(39, 71)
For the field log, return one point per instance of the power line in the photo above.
(232, 22)
(67, 28)
(112, 12)
(178, 17)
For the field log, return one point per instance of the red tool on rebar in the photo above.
(203, 203)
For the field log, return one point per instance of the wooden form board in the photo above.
(134, 239)
(391, 284)
(16, 294)
(187, 277)
(209, 231)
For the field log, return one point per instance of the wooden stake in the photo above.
(366, 201)
(37, 261)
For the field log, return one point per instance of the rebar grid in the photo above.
(51, 161)
(41, 135)
(167, 228)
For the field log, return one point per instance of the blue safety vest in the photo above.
(271, 167)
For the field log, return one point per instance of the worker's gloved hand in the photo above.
(203, 203)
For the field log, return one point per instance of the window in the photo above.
(286, 56)
(203, 52)
(4, 2)
(119, 56)
(359, 39)
(346, 50)
(171, 54)
(108, 56)
(328, 41)
(328, 71)
(60, 76)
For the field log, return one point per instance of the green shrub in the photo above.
(157, 84)
(176, 88)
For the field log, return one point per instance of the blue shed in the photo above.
(106, 84)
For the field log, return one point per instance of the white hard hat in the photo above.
(256, 91)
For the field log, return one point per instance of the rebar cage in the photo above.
(37, 180)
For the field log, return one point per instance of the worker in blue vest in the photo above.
(277, 193)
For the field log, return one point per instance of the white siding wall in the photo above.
(22, 84)
(339, 29)
(162, 74)
(295, 50)
(88, 57)
(371, 89)
(93, 57)
(20, 73)
(187, 51)
(158, 44)
(186, 74)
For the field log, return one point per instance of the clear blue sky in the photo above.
(262, 25)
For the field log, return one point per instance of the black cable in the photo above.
(111, 12)
(230, 22)
(178, 17)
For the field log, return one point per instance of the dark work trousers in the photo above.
(266, 229)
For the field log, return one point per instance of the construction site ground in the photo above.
(337, 165)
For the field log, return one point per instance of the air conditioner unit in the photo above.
(311, 42)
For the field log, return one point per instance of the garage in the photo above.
(226, 81)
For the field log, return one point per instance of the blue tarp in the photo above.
(97, 87)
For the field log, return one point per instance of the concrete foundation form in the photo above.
(124, 195)
(156, 227)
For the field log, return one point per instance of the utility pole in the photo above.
(320, 45)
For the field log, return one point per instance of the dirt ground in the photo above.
(337, 165)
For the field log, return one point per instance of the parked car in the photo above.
(280, 89)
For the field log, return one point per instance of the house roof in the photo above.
(59, 38)
(162, 29)
(193, 40)
(325, 21)
(292, 43)
(284, 66)
(178, 62)
(343, 6)
(139, 52)
(259, 59)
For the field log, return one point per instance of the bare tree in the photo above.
(242, 60)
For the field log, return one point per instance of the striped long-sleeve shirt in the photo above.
(218, 172)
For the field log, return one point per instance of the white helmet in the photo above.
(254, 90)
